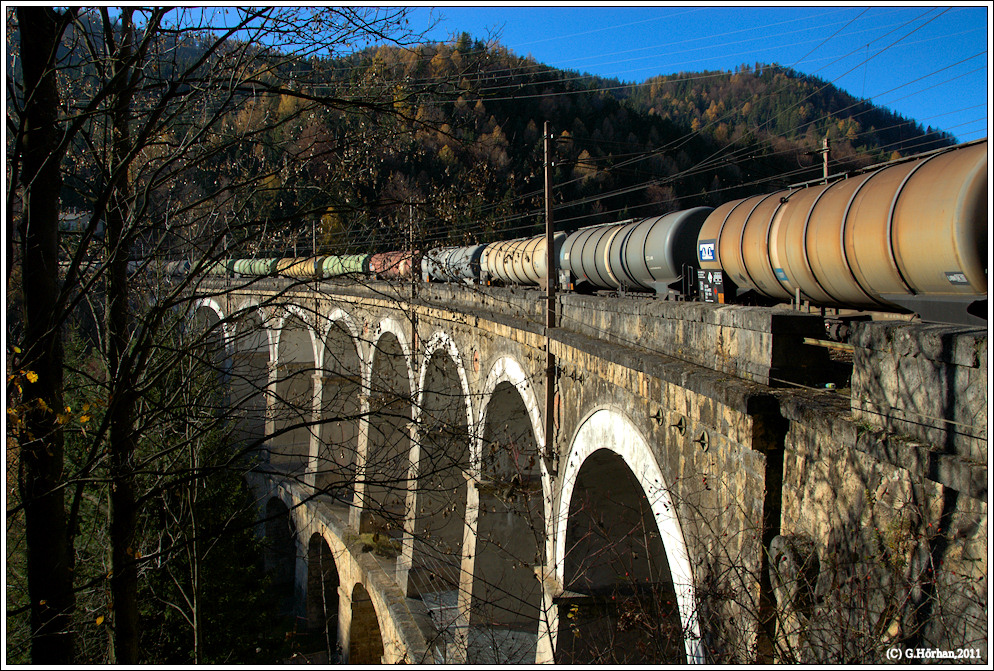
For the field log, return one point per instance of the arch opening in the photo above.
(443, 463)
(204, 338)
(292, 408)
(322, 603)
(507, 594)
(280, 553)
(387, 464)
(619, 605)
(365, 640)
(336, 464)
(249, 380)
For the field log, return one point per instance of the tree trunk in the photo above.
(122, 441)
(41, 445)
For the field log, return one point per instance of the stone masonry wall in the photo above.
(881, 548)
(925, 381)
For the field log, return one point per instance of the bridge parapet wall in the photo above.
(759, 344)
(763, 345)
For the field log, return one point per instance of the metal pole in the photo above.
(550, 275)
(824, 158)
(550, 309)
(410, 249)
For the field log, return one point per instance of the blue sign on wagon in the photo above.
(706, 249)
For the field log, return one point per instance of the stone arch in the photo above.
(509, 544)
(204, 334)
(261, 338)
(402, 358)
(323, 581)
(293, 388)
(507, 369)
(440, 465)
(341, 320)
(300, 348)
(439, 342)
(365, 639)
(212, 314)
(619, 544)
(386, 459)
(252, 346)
(339, 392)
(504, 371)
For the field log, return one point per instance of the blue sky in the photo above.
(926, 62)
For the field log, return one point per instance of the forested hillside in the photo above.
(466, 161)
(786, 108)
(460, 160)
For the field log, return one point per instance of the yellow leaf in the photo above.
(17, 350)
(100, 619)
(31, 375)
(83, 419)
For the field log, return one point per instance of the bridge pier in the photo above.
(314, 443)
(548, 627)
(272, 409)
(359, 488)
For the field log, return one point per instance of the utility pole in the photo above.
(410, 249)
(550, 276)
(550, 306)
(824, 158)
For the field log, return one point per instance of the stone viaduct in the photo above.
(714, 483)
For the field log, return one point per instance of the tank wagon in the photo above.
(653, 254)
(908, 235)
(304, 268)
(522, 261)
(394, 265)
(452, 264)
(158, 268)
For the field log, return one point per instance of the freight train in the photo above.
(906, 236)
